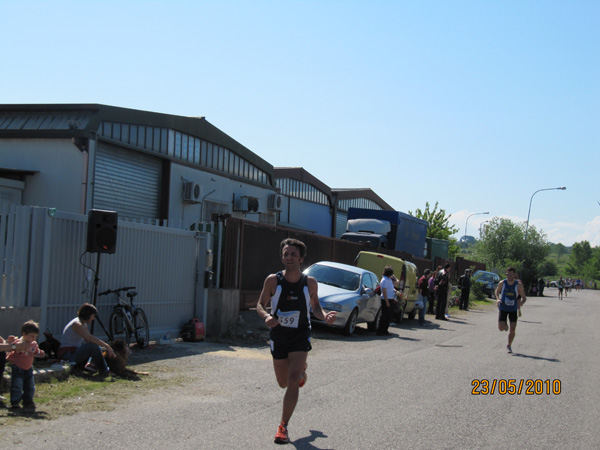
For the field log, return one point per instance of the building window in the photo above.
(204, 153)
(177, 152)
(164, 137)
(209, 155)
(197, 151)
(133, 131)
(148, 138)
(116, 131)
(186, 147)
(156, 140)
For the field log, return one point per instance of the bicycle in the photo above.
(126, 319)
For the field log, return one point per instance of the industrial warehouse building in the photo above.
(157, 168)
(150, 167)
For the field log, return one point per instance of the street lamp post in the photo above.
(467, 222)
(531, 199)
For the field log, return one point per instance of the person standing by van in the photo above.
(388, 295)
(442, 281)
(423, 294)
(432, 290)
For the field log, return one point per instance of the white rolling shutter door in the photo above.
(341, 220)
(127, 181)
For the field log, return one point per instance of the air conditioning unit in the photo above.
(275, 202)
(192, 192)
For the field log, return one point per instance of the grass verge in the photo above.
(76, 393)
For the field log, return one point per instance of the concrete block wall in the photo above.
(223, 310)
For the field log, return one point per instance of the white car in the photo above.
(350, 292)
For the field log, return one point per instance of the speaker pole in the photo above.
(96, 281)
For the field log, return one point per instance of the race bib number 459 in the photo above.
(289, 319)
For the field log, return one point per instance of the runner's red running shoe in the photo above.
(282, 435)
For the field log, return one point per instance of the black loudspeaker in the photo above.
(102, 231)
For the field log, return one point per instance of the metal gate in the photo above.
(46, 266)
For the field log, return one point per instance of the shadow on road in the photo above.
(536, 357)
(182, 349)
(36, 415)
(306, 442)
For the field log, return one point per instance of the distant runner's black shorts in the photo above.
(512, 316)
(283, 345)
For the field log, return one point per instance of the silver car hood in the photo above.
(329, 293)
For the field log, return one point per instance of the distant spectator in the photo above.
(541, 286)
(533, 290)
(464, 283)
(448, 300)
(442, 282)
(432, 292)
(423, 295)
(388, 295)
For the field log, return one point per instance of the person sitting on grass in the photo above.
(22, 384)
(73, 348)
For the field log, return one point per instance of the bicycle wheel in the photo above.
(118, 326)
(142, 330)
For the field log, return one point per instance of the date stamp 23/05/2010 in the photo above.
(515, 387)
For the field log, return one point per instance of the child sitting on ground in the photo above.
(22, 385)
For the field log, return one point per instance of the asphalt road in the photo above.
(411, 390)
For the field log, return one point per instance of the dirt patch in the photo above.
(170, 366)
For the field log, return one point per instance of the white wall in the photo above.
(59, 181)
(225, 189)
(60, 167)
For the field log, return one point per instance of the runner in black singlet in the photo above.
(291, 294)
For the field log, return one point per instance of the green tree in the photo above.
(439, 221)
(503, 244)
(581, 253)
(560, 250)
(547, 268)
(439, 226)
(584, 261)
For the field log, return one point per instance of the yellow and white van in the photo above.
(405, 271)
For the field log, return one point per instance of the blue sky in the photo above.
(474, 104)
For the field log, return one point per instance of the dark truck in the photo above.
(387, 229)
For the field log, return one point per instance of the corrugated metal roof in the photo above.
(51, 120)
(69, 120)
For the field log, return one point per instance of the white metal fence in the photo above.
(44, 264)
